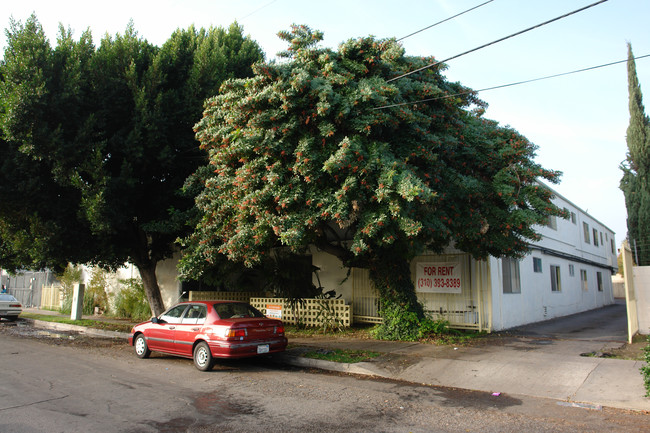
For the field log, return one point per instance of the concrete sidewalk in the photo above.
(514, 364)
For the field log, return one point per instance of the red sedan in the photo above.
(205, 330)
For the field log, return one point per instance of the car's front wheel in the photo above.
(203, 357)
(141, 348)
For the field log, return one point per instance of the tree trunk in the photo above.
(151, 288)
(399, 307)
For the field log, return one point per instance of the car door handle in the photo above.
(195, 329)
(172, 327)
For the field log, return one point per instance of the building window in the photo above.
(572, 271)
(599, 280)
(556, 283)
(595, 237)
(601, 239)
(585, 229)
(573, 217)
(583, 279)
(612, 245)
(511, 281)
(551, 222)
(537, 264)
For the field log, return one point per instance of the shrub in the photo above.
(429, 327)
(131, 302)
(645, 370)
(398, 324)
(327, 316)
(95, 294)
(70, 276)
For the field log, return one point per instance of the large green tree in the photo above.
(636, 168)
(313, 150)
(39, 217)
(113, 127)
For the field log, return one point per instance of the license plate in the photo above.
(263, 348)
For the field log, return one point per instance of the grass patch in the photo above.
(106, 326)
(361, 331)
(457, 337)
(341, 355)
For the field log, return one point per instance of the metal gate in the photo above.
(365, 300)
(468, 309)
(26, 286)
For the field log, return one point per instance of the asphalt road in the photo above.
(69, 383)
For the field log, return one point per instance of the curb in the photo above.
(77, 328)
(361, 368)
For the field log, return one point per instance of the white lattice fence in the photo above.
(312, 313)
(225, 296)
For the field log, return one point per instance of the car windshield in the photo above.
(236, 310)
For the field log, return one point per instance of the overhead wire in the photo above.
(257, 10)
(445, 20)
(510, 84)
(431, 65)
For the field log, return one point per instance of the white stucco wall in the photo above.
(537, 302)
(562, 245)
(166, 274)
(642, 289)
(332, 274)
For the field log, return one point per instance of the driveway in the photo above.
(608, 323)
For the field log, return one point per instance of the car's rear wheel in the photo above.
(203, 357)
(141, 348)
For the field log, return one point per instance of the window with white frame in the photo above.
(511, 280)
(583, 279)
(556, 282)
(613, 246)
(537, 265)
(572, 271)
(573, 217)
(585, 230)
(595, 237)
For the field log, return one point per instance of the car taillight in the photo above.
(15, 305)
(237, 333)
(279, 330)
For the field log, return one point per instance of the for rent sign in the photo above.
(438, 277)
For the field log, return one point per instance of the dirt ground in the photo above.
(632, 351)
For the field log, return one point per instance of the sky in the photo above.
(578, 121)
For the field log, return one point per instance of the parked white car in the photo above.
(10, 308)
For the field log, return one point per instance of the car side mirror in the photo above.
(155, 320)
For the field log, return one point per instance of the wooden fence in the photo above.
(51, 297)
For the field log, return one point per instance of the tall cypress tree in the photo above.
(636, 167)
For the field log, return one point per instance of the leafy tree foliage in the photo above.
(39, 222)
(314, 150)
(108, 131)
(636, 169)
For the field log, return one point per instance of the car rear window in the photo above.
(235, 310)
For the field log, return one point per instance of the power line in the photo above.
(257, 10)
(497, 41)
(510, 84)
(445, 20)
